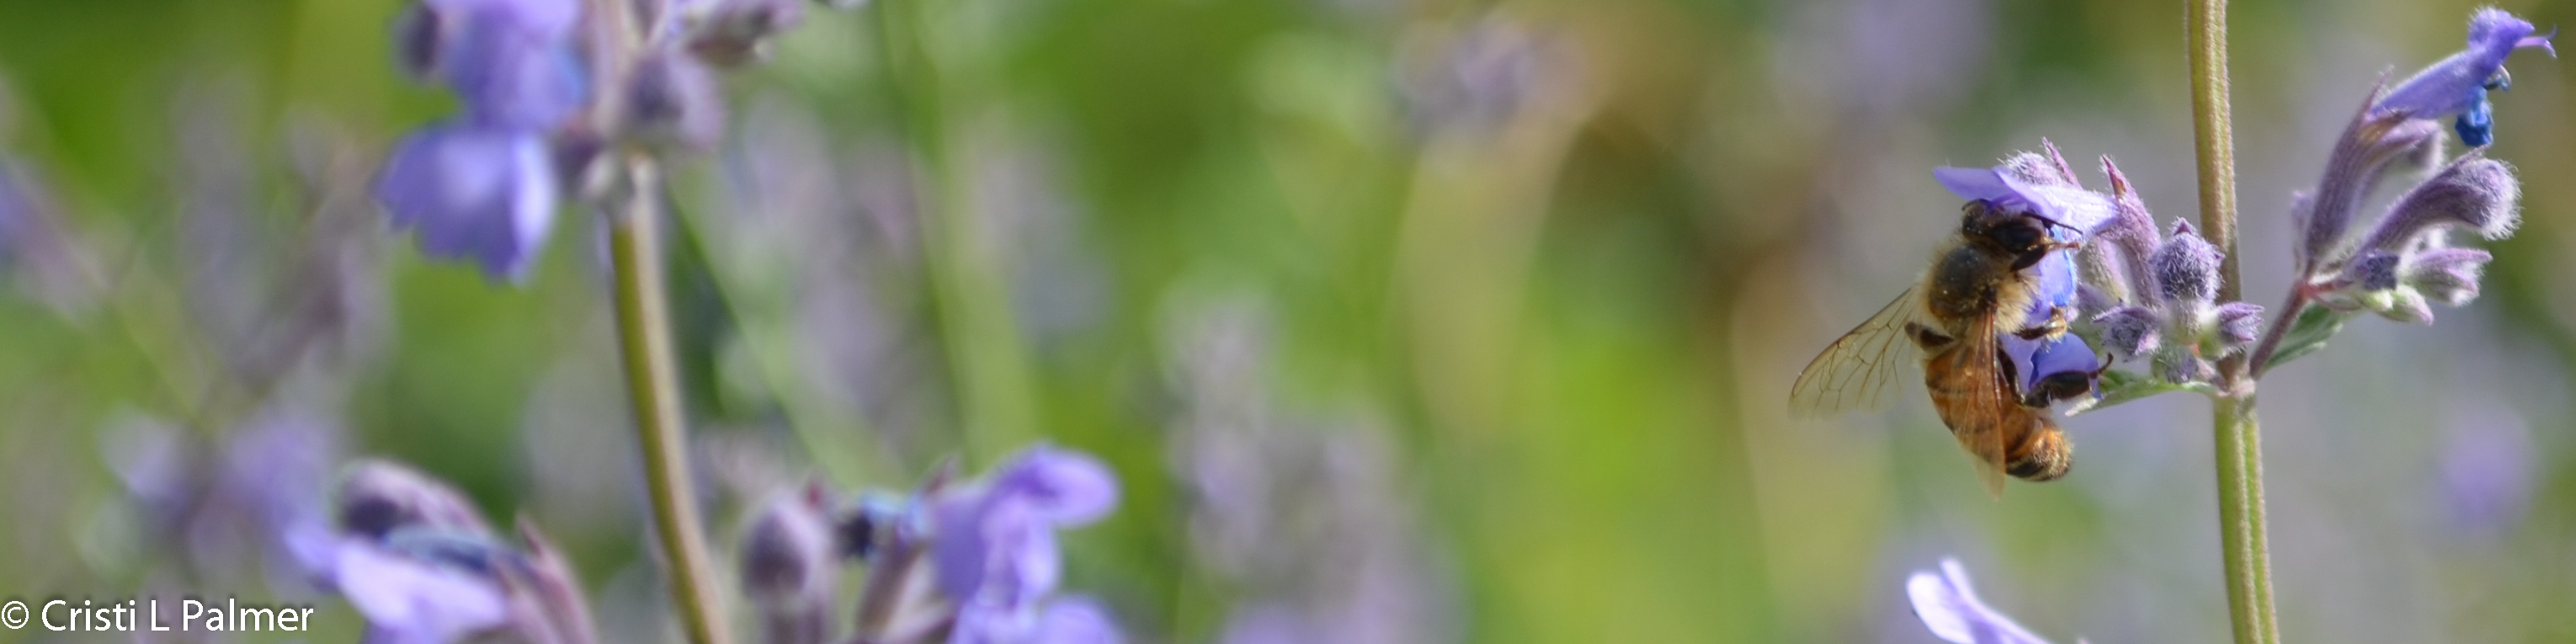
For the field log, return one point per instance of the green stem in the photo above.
(653, 386)
(996, 404)
(2238, 437)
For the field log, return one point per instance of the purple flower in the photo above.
(1950, 608)
(2458, 84)
(2186, 267)
(2369, 145)
(514, 62)
(2057, 367)
(2406, 261)
(479, 193)
(483, 187)
(994, 548)
(412, 601)
(2066, 204)
(2473, 193)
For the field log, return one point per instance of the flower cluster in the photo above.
(986, 547)
(543, 98)
(2163, 305)
(2407, 258)
(418, 562)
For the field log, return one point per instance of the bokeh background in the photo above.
(1399, 321)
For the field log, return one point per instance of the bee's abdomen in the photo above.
(2045, 456)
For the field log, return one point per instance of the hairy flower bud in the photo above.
(732, 33)
(2186, 267)
(789, 566)
(2369, 145)
(2239, 324)
(2404, 305)
(2374, 270)
(2473, 193)
(2130, 234)
(673, 99)
(2447, 275)
(2130, 331)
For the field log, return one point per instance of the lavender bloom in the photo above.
(472, 192)
(2056, 367)
(412, 601)
(417, 561)
(513, 62)
(2473, 193)
(2178, 324)
(484, 187)
(2405, 261)
(1950, 608)
(2458, 85)
(993, 545)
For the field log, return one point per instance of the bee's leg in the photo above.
(2058, 319)
(2066, 385)
(1925, 337)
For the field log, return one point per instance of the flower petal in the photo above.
(2456, 84)
(1062, 487)
(1949, 607)
(414, 600)
(2073, 206)
(472, 192)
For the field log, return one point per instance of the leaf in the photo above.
(2309, 334)
(2122, 387)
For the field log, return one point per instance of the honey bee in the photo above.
(1975, 292)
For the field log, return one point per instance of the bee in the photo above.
(1975, 292)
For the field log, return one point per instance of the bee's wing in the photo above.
(1990, 409)
(1853, 374)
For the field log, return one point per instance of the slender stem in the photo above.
(2283, 319)
(2239, 442)
(653, 386)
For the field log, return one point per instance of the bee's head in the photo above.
(2018, 235)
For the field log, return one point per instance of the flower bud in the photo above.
(2130, 331)
(673, 99)
(376, 497)
(2403, 305)
(789, 567)
(731, 33)
(2186, 267)
(2473, 193)
(2447, 275)
(2239, 324)
(2374, 270)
